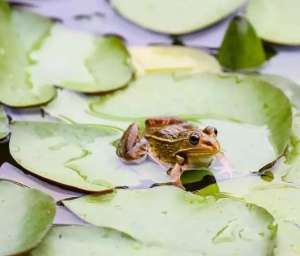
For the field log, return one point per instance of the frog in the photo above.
(172, 142)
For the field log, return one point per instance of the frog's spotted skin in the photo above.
(171, 142)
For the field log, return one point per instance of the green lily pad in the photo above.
(209, 226)
(78, 156)
(86, 240)
(237, 142)
(289, 169)
(276, 21)
(26, 215)
(241, 48)
(20, 33)
(73, 107)
(282, 201)
(81, 62)
(3, 124)
(175, 16)
(170, 59)
(235, 98)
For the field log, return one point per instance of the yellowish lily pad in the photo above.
(170, 59)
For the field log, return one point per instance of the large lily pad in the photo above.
(81, 62)
(170, 59)
(238, 141)
(208, 226)
(290, 167)
(3, 124)
(241, 99)
(276, 21)
(79, 156)
(175, 16)
(20, 33)
(86, 240)
(26, 215)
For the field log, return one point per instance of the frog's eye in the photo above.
(194, 139)
(210, 130)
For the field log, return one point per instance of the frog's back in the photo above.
(165, 142)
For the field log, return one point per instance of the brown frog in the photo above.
(172, 142)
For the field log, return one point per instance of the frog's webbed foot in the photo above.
(132, 148)
(175, 173)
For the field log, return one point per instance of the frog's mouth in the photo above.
(206, 151)
(195, 158)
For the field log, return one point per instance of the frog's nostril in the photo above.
(208, 143)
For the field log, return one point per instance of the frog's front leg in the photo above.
(132, 148)
(176, 171)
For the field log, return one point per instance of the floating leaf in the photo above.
(78, 156)
(236, 98)
(26, 215)
(237, 142)
(175, 16)
(86, 240)
(212, 226)
(276, 21)
(81, 62)
(20, 33)
(73, 107)
(3, 124)
(241, 48)
(170, 59)
(290, 169)
(282, 201)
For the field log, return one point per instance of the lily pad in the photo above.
(282, 201)
(78, 156)
(236, 98)
(290, 168)
(3, 124)
(209, 226)
(170, 59)
(73, 107)
(86, 240)
(175, 16)
(81, 62)
(20, 33)
(276, 21)
(26, 215)
(237, 142)
(241, 48)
